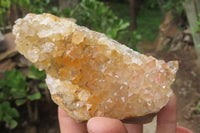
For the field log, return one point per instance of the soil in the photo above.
(186, 86)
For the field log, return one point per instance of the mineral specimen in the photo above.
(89, 74)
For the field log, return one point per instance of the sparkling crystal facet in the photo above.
(89, 74)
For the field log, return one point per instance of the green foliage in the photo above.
(5, 6)
(124, 11)
(197, 28)
(14, 86)
(97, 16)
(8, 114)
(40, 6)
(34, 73)
(15, 89)
(68, 12)
(175, 5)
(5, 3)
(135, 38)
(42, 85)
(148, 24)
(148, 20)
(90, 13)
(23, 3)
(150, 4)
(24, 6)
(34, 96)
(198, 109)
(54, 10)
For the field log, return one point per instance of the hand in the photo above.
(166, 122)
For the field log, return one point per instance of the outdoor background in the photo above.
(165, 29)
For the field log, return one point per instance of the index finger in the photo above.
(166, 118)
(69, 125)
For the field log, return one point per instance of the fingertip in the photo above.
(68, 124)
(172, 101)
(169, 112)
(105, 125)
(134, 128)
(167, 117)
(62, 113)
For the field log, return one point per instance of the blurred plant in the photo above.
(6, 11)
(4, 5)
(198, 109)
(135, 39)
(175, 5)
(90, 13)
(68, 12)
(150, 4)
(197, 28)
(8, 115)
(38, 79)
(34, 73)
(97, 16)
(41, 6)
(15, 88)
(12, 9)
(22, 3)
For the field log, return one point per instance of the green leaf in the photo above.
(124, 26)
(24, 3)
(15, 1)
(13, 124)
(7, 113)
(47, 1)
(34, 96)
(2, 11)
(5, 105)
(12, 112)
(54, 10)
(34, 73)
(20, 102)
(5, 3)
(1, 112)
(15, 79)
(2, 83)
(1, 96)
(42, 85)
(18, 94)
(7, 118)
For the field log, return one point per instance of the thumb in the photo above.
(105, 125)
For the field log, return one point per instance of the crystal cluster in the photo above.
(89, 74)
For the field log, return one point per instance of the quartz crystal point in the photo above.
(89, 74)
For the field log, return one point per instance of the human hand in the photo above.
(166, 122)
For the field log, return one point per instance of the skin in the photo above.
(166, 122)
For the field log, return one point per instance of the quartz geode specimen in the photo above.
(89, 74)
